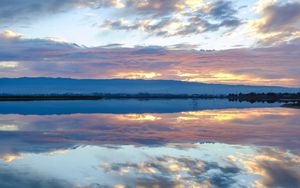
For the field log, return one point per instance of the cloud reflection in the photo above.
(249, 126)
(201, 165)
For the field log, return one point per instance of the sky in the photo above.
(253, 42)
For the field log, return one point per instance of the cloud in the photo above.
(183, 46)
(155, 17)
(278, 16)
(178, 18)
(279, 22)
(14, 45)
(8, 64)
(155, 8)
(8, 34)
(22, 56)
(222, 9)
(12, 11)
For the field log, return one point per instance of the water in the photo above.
(150, 143)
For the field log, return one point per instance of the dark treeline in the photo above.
(249, 97)
(97, 96)
(266, 97)
(160, 96)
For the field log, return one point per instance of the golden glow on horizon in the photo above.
(230, 78)
(138, 75)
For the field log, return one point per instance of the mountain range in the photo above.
(43, 85)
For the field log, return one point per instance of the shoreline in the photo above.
(46, 98)
(286, 98)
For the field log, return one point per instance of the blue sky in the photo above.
(85, 26)
(104, 38)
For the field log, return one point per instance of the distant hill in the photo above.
(113, 86)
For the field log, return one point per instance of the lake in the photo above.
(149, 143)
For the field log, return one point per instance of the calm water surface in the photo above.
(160, 143)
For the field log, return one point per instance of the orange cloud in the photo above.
(50, 58)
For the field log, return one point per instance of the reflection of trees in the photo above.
(266, 97)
